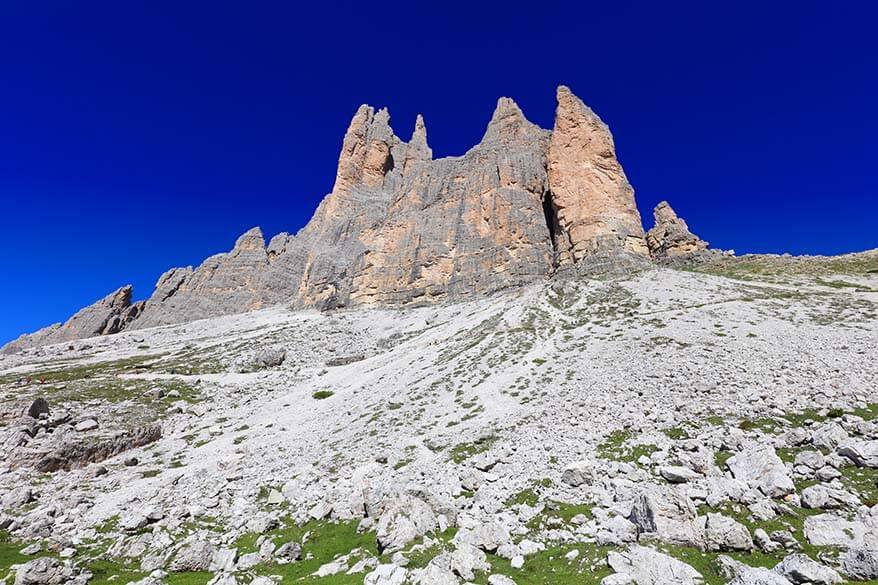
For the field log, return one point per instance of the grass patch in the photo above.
(322, 394)
(325, 542)
(463, 451)
(549, 567)
(616, 448)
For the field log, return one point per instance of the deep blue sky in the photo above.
(137, 136)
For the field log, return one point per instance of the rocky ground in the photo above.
(715, 425)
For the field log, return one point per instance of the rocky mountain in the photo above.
(625, 408)
(402, 228)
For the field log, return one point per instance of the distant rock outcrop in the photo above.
(401, 228)
(107, 316)
(671, 238)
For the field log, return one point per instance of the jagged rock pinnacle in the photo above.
(509, 123)
(417, 150)
(671, 236)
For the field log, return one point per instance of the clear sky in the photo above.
(137, 136)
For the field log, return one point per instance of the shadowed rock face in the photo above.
(401, 228)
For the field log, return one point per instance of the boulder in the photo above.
(195, 554)
(828, 436)
(403, 520)
(722, 533)
(43, 571)
(37, 408)
(578, 473)
(861, 563)
(761, 468)
(487, 536)
(386, 575)
(862, 453)
(677, 473)
(820, 496)
(646, 566)
(667, 514)
(800, 568)
(831, 530)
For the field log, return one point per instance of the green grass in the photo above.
(750, 267)
(326, 541)
(766, 425)
(322, 394)
(842, 284)
(566, 511)
(863, 481)
(106, 572)
(549, 567)
(869, 412)
(793, 522)
(677, 433)
(463, 451)
(706, 562)
(531, 495)
(9, 554)
(615, 448)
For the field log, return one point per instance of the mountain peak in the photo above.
(509, 123)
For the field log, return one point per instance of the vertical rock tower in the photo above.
(591, 197)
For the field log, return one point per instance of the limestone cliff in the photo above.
(400, 227)
(591, 196)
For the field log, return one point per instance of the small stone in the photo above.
(677, 474)
(86, 425)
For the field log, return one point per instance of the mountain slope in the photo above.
(539, 415)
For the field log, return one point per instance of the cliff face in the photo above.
(401, 228)
(592, 198)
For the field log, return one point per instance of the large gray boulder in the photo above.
(722, 533)
(861, 562)
(668, 515)
(862, 453)
(646, 566)
(195, 554)
(831, 530)
(800, 568)
(403, 520)
(43, 571)
(761, 468)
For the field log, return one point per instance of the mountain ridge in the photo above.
(400, 228)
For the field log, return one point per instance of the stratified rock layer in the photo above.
(401, 228)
